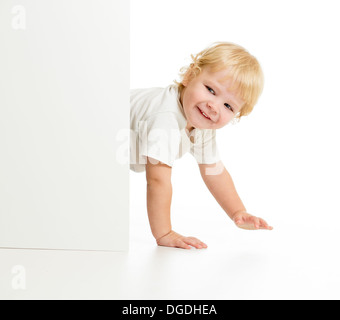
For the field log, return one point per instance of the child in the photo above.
(221, 84)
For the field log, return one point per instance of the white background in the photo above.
(283, 158)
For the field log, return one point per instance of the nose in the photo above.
(212, 108)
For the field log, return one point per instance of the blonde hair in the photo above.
(243, 69)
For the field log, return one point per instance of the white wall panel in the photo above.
(64, 98)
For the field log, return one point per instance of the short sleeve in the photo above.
(204, 148)
(159, 138)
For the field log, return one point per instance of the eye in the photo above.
(228, 106)
(210, 90)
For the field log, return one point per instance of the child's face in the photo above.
(208, 102)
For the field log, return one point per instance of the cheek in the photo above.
(226, 117)
(196, 96)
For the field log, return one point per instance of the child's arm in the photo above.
(221, 186)
(159, 194)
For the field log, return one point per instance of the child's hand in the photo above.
(247, 221)
(173, 239)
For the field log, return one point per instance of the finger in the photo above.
(264, 225)
(255, 221)
(193, 242)
(239, 221)
(198, 244)
(268, 228)
(181, 244)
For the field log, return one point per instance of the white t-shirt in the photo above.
(158, 130)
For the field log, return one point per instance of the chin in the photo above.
(197, 125)
(200, 127)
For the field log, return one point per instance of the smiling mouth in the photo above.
(205, 115)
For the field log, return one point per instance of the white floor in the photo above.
(294, 261)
